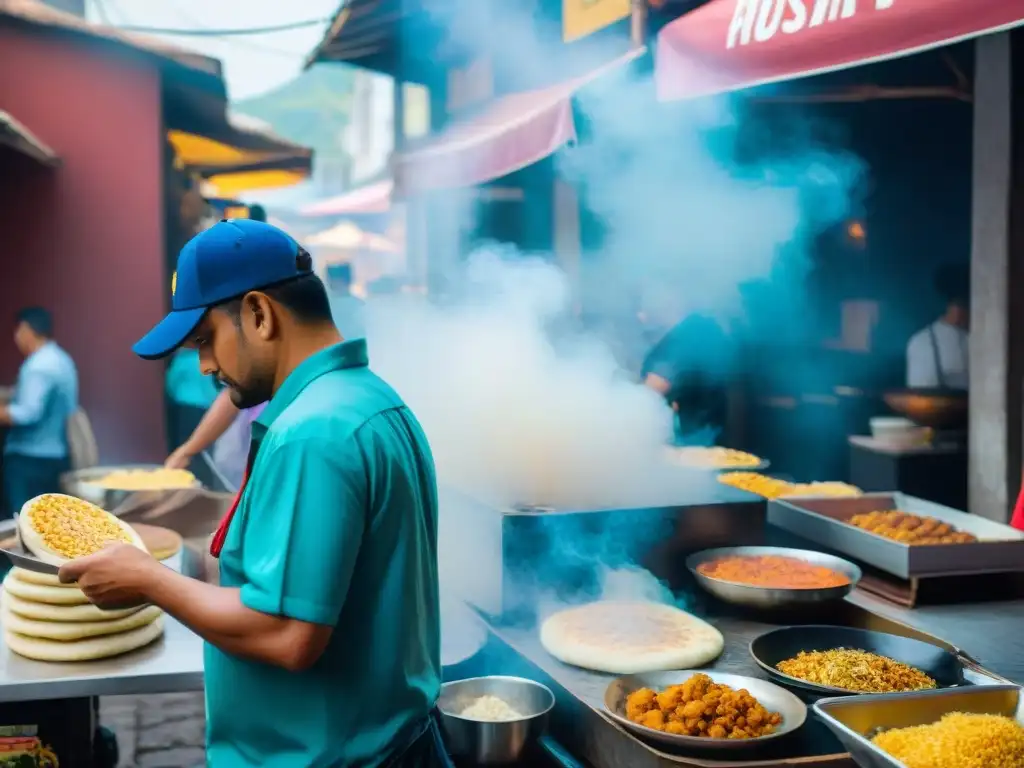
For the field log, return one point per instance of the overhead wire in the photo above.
(244, 31)
(229, 36)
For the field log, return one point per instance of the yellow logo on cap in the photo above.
(174, 283)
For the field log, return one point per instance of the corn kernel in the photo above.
(72, 527)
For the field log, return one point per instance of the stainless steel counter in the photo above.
(991, 632)
(172, 664)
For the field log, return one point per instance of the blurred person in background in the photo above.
(46, 395)
(690, 363)
(323, 635)
(348, 311)
(937, 355)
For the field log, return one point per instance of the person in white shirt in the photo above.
(937, 355)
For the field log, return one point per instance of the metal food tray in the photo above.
(855, 720)
(1000, 549)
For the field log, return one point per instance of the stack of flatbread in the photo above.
(45, 620)
(628, 638)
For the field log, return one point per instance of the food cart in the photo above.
(490, 622)
(891, 599)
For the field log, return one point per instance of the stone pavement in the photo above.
(157, 731)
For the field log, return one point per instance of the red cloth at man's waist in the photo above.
(1017, 520)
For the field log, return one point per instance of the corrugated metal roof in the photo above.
(362, 30)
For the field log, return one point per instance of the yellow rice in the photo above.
(958, 740)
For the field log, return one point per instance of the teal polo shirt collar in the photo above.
(348, 354)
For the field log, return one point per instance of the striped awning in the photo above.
(510, 133)
(373, 198)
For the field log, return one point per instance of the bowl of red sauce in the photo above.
(773, 577)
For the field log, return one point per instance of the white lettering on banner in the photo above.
(760, 20)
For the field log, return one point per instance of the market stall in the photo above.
(534, 563)
(908, 594)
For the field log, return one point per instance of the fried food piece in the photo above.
(702, 707)
(912, 529)
(856, 670)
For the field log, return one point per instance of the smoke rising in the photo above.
(697, 202)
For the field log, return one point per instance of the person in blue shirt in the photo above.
(323, 636)
(46, 395)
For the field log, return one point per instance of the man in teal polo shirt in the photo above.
(322, 640)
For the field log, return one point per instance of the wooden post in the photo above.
(638, 24)
(996, 431)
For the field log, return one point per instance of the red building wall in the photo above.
(85, 239)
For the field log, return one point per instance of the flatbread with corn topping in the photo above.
(57, 528)
(627, 638)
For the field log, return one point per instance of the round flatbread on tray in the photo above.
(62, 613)
(628, 638)
(57, 528)
(68, 631)
(88, 649)
(42, 593)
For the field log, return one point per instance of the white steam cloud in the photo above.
(694, 206)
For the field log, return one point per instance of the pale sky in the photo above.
(252, 64)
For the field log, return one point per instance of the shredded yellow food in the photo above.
(773, 488)
(713, 457)
(762, 485)
(147, 479)
(958, 740)
(855, 670)
(72, 527)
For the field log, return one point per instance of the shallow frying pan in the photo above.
(944, 667)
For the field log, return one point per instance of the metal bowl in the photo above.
(773, 697)
(937, 408)
(494, 743)
(84, 484)
(767, 598)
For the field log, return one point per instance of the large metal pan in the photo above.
(856, 720)
(930, 406)
(766, 598)
(944, 667)
(84, 484)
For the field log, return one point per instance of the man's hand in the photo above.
(181, 458)
(117, 576)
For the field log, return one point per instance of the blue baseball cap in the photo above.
(226, 261)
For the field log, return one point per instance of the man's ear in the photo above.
(261, 312)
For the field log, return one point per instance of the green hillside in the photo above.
(311, 110)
